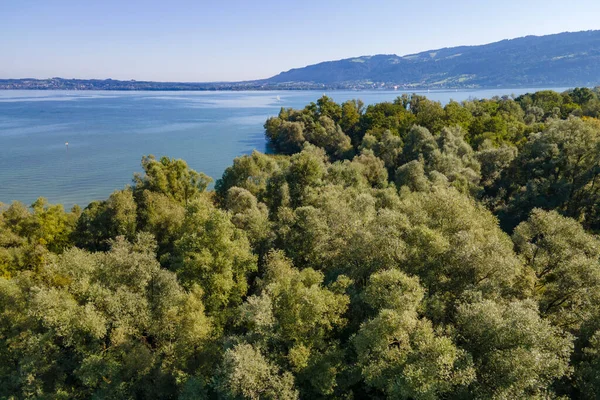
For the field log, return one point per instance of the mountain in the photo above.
(564, 59)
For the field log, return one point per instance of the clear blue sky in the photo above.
(181, 40)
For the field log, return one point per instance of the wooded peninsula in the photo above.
(402, 250)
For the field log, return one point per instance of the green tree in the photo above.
(170, 177)
(429, 114)
(352, 110)
(516, 353)
(582, 95)
(588, 381)
(295, 317)
(250, 172)
(252, 217)
(455, 245)
(212, 253)
(163, 217)
(247, 374)
(399, 353)
(99, 325)
(457, 115)
(557, 169)
(566, 262)
(102, 221)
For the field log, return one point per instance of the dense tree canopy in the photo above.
(402, 250)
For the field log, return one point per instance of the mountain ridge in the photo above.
(562, 58)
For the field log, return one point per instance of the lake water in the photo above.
(109, 132)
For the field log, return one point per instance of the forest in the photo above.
(401, 250)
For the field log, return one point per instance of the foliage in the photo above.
(402, 250)
(516, 353)
(108, 324)
(556, 169)
(170, 177)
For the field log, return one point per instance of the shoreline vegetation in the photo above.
(402, 250)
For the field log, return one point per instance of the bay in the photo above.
(108, 133)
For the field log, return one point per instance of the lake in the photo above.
(109, 132)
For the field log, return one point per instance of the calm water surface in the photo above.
(109, 132)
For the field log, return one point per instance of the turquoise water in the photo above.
(109, 132)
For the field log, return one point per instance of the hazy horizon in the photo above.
(187, 41)
(266, 77)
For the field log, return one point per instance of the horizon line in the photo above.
(308, 65)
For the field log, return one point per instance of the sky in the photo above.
(232, 40)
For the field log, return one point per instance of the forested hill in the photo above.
(554, 60)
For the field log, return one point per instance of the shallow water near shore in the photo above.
(109, 132)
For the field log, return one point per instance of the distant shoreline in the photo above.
(129, 86)
(403, 90)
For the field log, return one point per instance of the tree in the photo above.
(329, 108)
(393, 289)
(102, 221)
(295, 317)
(212, 253)
(557, 169)
(251, 217)
(457, 115)
(582, 95)
(399, 353)
(588, 381)
(548, 100)
(448, 157)
(250, 172)
(246, 374)
(327, 135)
(516, 353)
(566, 263)
(493, 161)
(429, 114)
(163, 217)
(455, 245)
(388, 149)
(351, 113)
(170, 177)
(285, 136)
(106, 325)
(306, 169)
(22, 243)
